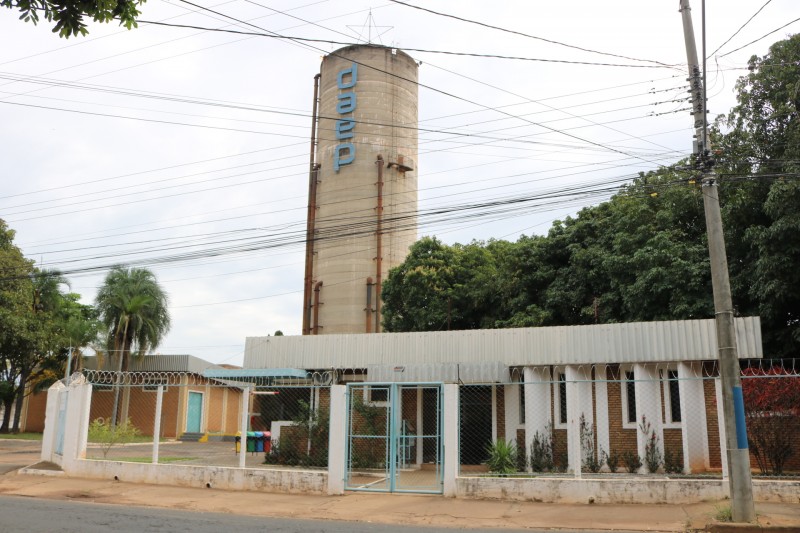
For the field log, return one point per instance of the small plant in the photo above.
(673, 462)
(632, 461)
(561, 461)
(542, 450)
(102, 432)
(652, 453)
(723, 513)
(612, 460)
(502, 457)
(589, 459)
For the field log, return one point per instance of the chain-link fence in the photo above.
(626, 419)
(199, 421)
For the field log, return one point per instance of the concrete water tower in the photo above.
(362, 185)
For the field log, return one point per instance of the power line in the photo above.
(407, 49)
(741, 28)
(762, 37)
(660, 64)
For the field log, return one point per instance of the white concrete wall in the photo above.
(648, 407)
(693, 419)
(579, 403)
(215, 477)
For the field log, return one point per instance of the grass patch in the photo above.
(21, 436)
(161, 459)
(722, 513)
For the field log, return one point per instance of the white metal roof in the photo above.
(684, 340)
(154, 363)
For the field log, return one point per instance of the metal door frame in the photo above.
(394, 434)
(189, 410)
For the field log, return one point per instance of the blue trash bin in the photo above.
(259, 441)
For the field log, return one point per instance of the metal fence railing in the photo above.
(617, 419)
(199, 421)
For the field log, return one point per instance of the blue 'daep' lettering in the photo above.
(339, 160)
(344, 129)
(353, 72)
(345, 153)
(346, 103)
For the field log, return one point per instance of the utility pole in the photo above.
(738, 454)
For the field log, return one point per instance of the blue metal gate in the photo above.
(394, 437)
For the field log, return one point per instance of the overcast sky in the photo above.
(166, 143)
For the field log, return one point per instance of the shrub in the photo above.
(772, 405)
(632, 461)
(612, 460)
(502, 457)
(102, 432)
(542, 450)
(652, 453)
(673, 462)
(588, 458)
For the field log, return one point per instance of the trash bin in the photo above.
(238, 442)
(251, 441)
(267, 441)
(259, 444)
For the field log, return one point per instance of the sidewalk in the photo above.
(389, 508)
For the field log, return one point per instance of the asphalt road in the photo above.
(25, 515)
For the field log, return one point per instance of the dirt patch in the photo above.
(46, 465)
(78, 495)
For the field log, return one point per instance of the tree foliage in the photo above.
(33, 336)
(69, 15)
(133, 310)
(772, 406)
(643, 255)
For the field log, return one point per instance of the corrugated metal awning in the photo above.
(639, 342)
(244, 373)
(439, 373)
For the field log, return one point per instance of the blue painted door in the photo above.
(194, 414)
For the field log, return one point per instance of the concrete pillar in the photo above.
(579, 402)
(601, 410)
(494, 414)
(723, 446)
(693, 417)
(450, 435)
(337, 437)
(511, 402)
(648, 406)
(537, 402)
(50, 422)
(419, 425)
(76, 429)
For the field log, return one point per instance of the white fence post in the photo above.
(157, 423)
(450, 434)
(243, 427)
(336, 439)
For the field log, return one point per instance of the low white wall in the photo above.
(266, 480)
(626, 490)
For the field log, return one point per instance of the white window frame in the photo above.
(623, 380)
(558, 371)
(668, 423)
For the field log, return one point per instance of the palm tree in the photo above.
(133, 311)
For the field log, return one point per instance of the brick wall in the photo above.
(621, 439)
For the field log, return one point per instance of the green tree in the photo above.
(69, 15)
(133, 310)
(759, 148)
(16, 338)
